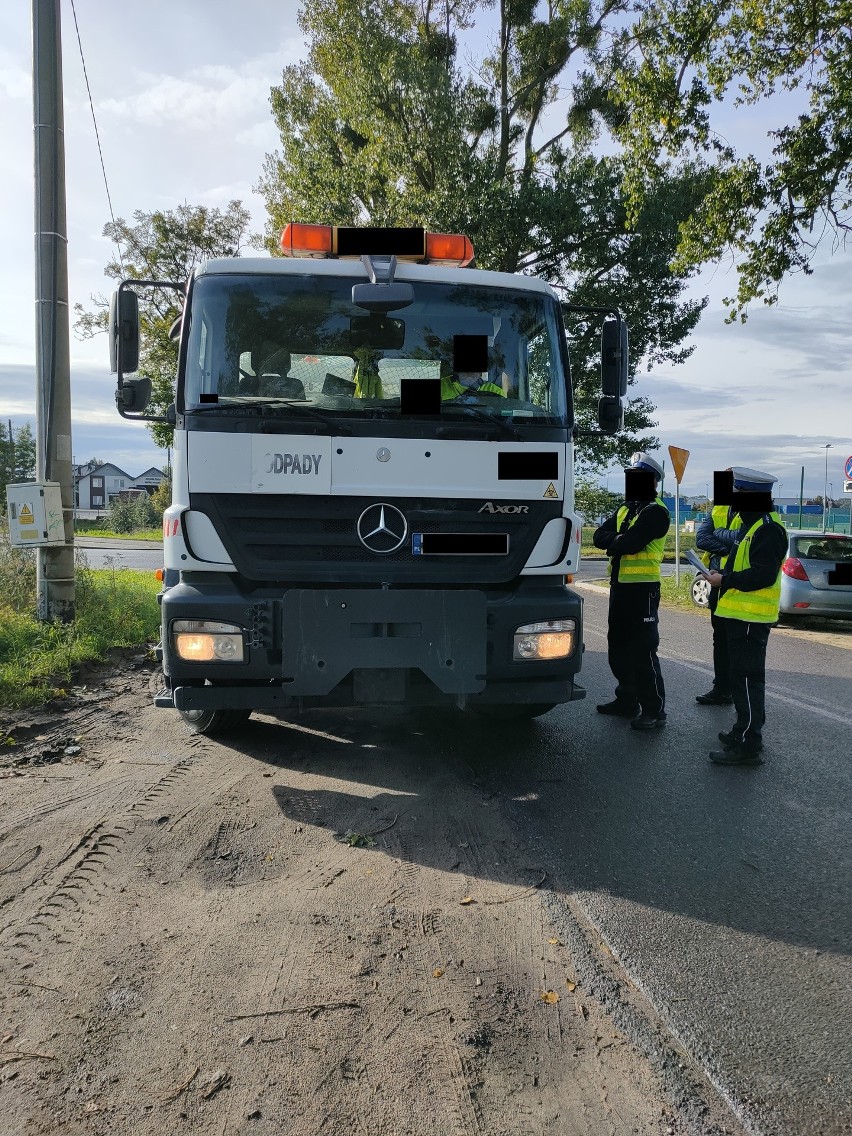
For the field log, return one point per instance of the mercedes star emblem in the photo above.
(383, 454)
(382, 528)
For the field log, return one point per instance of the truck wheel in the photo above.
(515, 713)
(214, 721)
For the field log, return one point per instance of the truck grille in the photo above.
(302, 539)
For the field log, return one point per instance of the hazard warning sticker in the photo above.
(551, 491)
(25, 515)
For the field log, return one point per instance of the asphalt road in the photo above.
(724, 892)
(101, 552)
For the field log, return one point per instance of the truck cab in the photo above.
(372, 480)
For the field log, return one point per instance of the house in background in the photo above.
(150, 480)
(95, 485)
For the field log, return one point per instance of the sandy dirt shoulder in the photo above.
(324, 926)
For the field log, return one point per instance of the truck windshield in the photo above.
(280, 340)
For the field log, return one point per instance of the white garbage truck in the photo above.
(373, 463)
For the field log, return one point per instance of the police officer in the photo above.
(716, 537)
(634, 538)
(749, 596)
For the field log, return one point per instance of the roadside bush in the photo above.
(120, 515)
(114, 608)
(17, 576)
(162, 498)
(144, 514)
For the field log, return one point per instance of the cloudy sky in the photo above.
(181, 95)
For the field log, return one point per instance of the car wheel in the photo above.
(212, 722)
(700, 592)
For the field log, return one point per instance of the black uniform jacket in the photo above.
(766, 555)
(652, 522)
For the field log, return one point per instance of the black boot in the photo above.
(647, 721)
(619, 709)
(714, 697)
(732, 739)
(741, 754)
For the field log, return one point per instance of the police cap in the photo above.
(752, 480)
(644, 460)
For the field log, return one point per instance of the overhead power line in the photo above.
(95, 123)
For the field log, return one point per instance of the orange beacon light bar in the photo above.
(307, 240)
(452, 250)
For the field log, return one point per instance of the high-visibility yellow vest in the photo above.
(368, 383)
(752, 607)
(452, 388)
(720, 521)
(640, 567)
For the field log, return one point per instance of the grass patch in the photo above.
(687, 540)
(114, 608)
(670, 595)
(673, 596)
(92, 528)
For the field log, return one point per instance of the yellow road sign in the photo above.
(679, 459)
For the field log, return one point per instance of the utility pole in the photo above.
(55, 573)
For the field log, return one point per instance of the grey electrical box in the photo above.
(34, 511)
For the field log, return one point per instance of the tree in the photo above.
(688, 56)
(17, 456)
(594, 502)
(383, 125)
(163, 245)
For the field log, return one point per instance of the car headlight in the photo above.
(207, 641)
(553, 639)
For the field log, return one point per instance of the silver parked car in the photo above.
(805, 589)
(809, 584)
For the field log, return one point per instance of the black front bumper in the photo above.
(329, 646)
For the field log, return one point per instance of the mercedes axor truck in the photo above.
(373, 463)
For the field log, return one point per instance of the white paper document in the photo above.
(696, 562)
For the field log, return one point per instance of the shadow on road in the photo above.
(643, 817)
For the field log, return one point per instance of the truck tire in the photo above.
(214, 721)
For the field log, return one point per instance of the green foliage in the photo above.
(162, 497)
(17, 456)
(119, 515)
(128, 514)
(594, 502)
(37, 660)
(692, 54)
(382, 124)
(163, 245)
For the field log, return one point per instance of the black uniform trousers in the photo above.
(721, 669)
(747, 661)
(633, 639)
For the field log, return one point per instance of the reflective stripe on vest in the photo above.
(752, 607)
(452, 388)
(640, 567)
(368, 383)
(721, 521)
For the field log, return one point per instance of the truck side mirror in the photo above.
(614, 358)
(610, 414)
(124, 332)
(134, 394)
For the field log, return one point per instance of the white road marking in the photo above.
(779, 693)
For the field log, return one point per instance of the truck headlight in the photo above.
(207, 641)
(553, 639)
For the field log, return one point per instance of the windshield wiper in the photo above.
(267, 406)
(492, 419)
